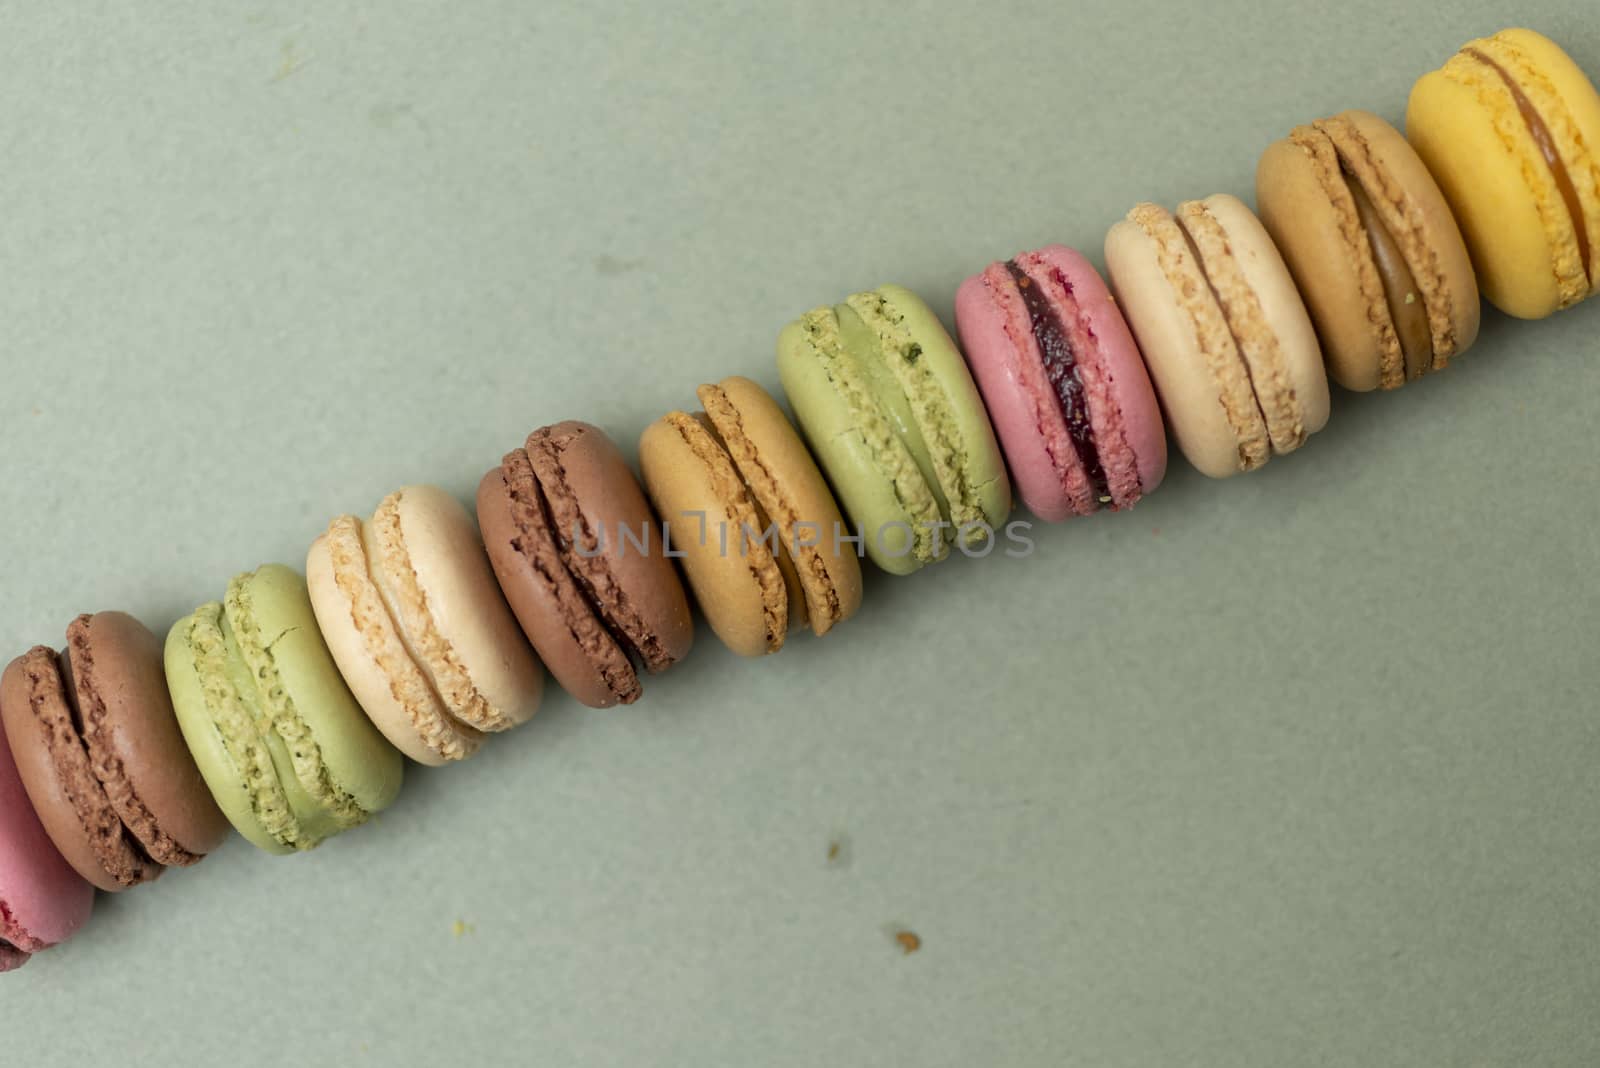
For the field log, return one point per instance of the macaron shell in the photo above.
(43, 902)
(1480, 168)
(162, 800)
(357, 759)
(1465, 125)
(1130, 387)
(955, 411)
(786, 483)
(703, 502)
(1158, 311)
(1024, 407)
(1024, 420)
(466, 604)
(1419, 217)
(223, 776)
(1569, 102)
(590, 487)
(556, 616)
(1324, 250)
(834, 430)
(1283, 312)
(55, 771)
(388, 685)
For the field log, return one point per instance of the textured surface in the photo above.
(1297, 768)
(42, 900)
(1065, 387)
(707, 508)
(1532, 240)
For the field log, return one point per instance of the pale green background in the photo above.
(1298, 769)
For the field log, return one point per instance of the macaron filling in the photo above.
(84, 694)
(602, 649)
(16, 944)
(1061, 369)
(1257, 343)
(288, 732)
(1401, 294)
(1542, 137)
(396, 579)
(607, 597)
(824, 608)
(850, 354)
(408, 683)
(942, 447)
(231, 699)
(1179, 260)
(271, 747)
(54, 706)
(1059, 358)
(740, 521)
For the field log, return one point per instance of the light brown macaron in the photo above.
(100, 753)
(412, 614)
(749, 510)
(1373, 247)
(1223, 331)
(580, 557)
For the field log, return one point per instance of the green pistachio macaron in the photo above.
(891, 412)
(283, 746)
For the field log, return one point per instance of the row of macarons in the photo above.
(285, 709)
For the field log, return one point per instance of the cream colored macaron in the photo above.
(411, 611)
(1229, 345)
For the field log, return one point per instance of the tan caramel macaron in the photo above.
(750, 512)
(1373, 248)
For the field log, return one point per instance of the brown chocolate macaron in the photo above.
(101, 756)
(581, 559)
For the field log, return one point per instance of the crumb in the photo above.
(290, 62)
(838, 855)
(461, 928)
(908, 941)
(611, 266)
(38, 411)
(1155, 532)
(1411, 298)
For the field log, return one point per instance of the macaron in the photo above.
(1224, 333)
(1510, 128)
(1064, 383)
(414, 618)
(581, 559)
(1373, 247)
(892, 415)
(747, 507)
(43, 902)
(100, 754)
(287, 753)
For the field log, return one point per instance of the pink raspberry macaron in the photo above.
(42, 900)
(1064, 384)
